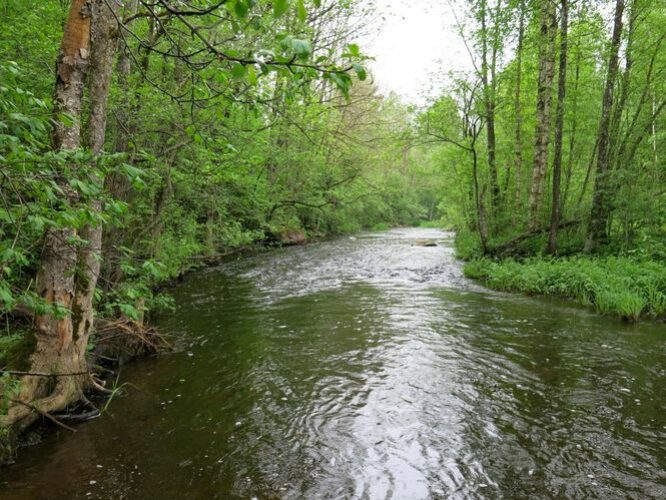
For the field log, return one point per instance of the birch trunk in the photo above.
(543, 112)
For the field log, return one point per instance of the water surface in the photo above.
(370, 368)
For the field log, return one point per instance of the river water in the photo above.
(367, 367)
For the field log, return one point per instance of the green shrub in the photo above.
(381, 226)
(620, 286)
(467, 245)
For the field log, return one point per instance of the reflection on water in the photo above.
(370, 368)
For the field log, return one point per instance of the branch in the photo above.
(43, 414)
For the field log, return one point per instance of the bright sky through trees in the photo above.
(418, 41)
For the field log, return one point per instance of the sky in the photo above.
(418, 41)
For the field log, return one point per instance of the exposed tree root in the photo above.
(44, 414)
(97, 385)
(49, 394)
(79, 417)
(133, 334)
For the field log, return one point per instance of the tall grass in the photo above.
(621, 286)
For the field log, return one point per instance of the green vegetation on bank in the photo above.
(172, 132)
(619, 286)
(166, 135)
(553, 149)
(629, 283)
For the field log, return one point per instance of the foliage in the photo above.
(206, 150)
(453, 130)
(620, 286)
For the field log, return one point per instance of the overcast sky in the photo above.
(419, 40)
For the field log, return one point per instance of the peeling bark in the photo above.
(67, 272)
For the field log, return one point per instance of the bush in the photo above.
(467, 245)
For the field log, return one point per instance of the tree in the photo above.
(548, 26)
(559, 128)
(69, 263)
(518, 141)
(598, 229)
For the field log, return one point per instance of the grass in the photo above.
(380, 226)
(620, 286)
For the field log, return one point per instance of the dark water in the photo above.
(370, 368)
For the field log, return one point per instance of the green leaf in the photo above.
(301, 48)
(342, 81)
(241, 8)
(300, 9)
(251, 76)
(354, 50)
(280, 7)
(238, 71)
(360, 71)
(317, 3)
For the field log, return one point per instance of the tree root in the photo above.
(79, 417)
(98, 386)
(147, 337)
(44, 414)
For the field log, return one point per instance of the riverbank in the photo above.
(119, 339)
(337, 366)
(620, 286)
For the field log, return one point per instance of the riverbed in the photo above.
(369, 367)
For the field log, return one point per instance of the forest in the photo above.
(146, 138)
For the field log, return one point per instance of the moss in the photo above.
(15, 350)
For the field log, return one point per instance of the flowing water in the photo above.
(370, 368)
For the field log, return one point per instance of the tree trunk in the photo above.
(482, 225)
(559, 130)
(543, 112)
(598, 231)
(574, 129)
(488, 80)
(67, 272)
(117, 184)
(518, 144)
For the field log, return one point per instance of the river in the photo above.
(368, 367)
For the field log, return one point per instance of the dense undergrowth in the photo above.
(629, 286)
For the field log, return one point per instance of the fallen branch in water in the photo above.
(80, 417)
(44, 414)
(125, 327)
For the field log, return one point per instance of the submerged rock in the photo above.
(425, 242)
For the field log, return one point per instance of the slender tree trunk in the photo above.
(518, 144)
(598, 226)
(543, 113)
(488, 80)
(482, 224)
(117, 184)
(559, 129)
(654, 131)
(103, 47)
(574, 130)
